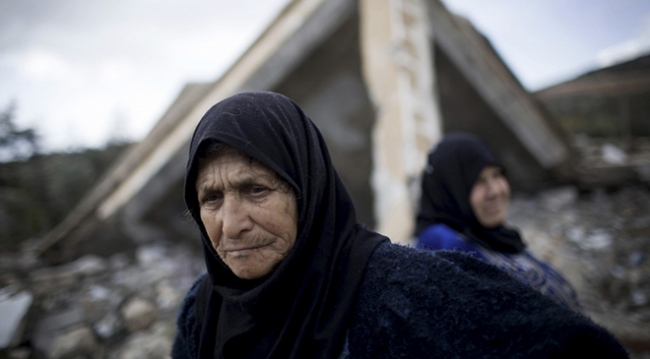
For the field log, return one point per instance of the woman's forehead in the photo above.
(490, 168)
(230, 162)
(223, 153)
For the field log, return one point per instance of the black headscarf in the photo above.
(302, 309)
(453, 167)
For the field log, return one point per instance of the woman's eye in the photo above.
(211, 198)
(257, 190)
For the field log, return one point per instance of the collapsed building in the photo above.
(381, 79)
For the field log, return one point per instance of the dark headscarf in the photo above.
(302, 309)
(453, 167)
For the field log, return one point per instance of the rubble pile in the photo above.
(122, 307)
(600, 241)
(612, 161)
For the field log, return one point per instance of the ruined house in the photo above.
(381, 79)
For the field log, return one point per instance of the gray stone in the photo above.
(54, 277)
(20, 353)
(99, 300)
(617, 272)
(559, 198)
(138, 314)
(575, 234)
(13, 311)
(639, 298)
(167, 296)
(98, 293)
(613, 155)
(118, 261)
(150, 255)
(636, 259)
(641, 222)
(644, 172)
(68, 274)
(78, 341)
(599, 239)
(89, 265)
(107, 326)
(57, 322)
(155, 344)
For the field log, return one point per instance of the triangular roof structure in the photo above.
(383, 79)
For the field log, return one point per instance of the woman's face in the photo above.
(249, 213)
(490, 196)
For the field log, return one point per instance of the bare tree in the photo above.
(15, 144)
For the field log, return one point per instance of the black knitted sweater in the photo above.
(421, 304)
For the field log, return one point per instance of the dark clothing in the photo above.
(421, 304)
(453, 167)
(311, 304)
(446, 220)
(301, 309)
(523, 266)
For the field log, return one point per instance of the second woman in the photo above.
(465, 195)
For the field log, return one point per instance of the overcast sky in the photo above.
(82, 72)
(549, 41)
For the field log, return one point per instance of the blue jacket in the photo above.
(523, 266)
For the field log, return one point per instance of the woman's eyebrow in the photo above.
(239, 182)
(206, 186)
(251, 180)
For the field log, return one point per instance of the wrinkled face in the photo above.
(490, 197)
(249, 213)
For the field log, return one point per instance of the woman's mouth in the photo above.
(242, 251)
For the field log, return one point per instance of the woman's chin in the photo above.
(251, 267)
(492, 221)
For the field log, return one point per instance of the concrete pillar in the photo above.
(396, 52)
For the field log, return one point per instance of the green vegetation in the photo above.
(38, 190)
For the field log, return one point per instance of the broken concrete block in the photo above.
(167, 297)
(150, 255)
(13, 311)
(558, 198)
(89, 265)
(43, 338)
(598, 239)
(77, 342)
(613, 154)
(50, 278)
(107, 326)
(138, 314)
(153, 344)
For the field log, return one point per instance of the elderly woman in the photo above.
(465, 195)
(291, 274)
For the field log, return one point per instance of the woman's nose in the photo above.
(492, 188)
(235, 217)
